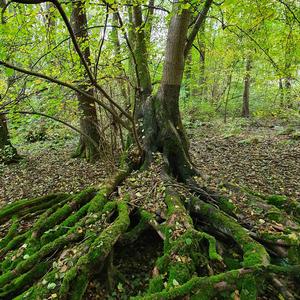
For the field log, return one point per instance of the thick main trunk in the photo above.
(163, 127)
(158, 116)
(88, 113)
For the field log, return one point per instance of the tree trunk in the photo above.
(160, 116)
(246, 94)
(7, 152)
(202, 78)
(87, 108)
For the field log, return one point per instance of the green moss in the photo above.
(288, 239)
(294, 254)
(109, 207)
(156, 284)
(248, 288)
(40, 290)
(11, 233)
(232, 263)
(275, 215)
(54, 233)
(199, 288)
(63, 212)
(226, 205)
(132, 235)
(19, 207)
(98, 202)
(179, 273)
(30, 262)
(276, 200)
(65, 286)
(98, 250)
(254, 253)
(79, 287)
(24, 280)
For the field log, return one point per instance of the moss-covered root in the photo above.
(75, 280)
(10, 234)
(62, 213)
(254, 253)
(26, 279)
(24, 206)
(203, 288)
(181, 250)
(145, 220)
(29, 262)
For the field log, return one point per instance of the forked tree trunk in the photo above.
(158, 116)
(87, 108)
(246, 94)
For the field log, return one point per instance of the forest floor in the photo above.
(261, 157)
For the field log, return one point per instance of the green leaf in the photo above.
(51, 286)
(188, 241)
(175, 282)
(9, 72)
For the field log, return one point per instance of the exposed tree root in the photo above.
(73, 238)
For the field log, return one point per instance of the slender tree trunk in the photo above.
(202, 78)
(188, 76)
(87, 108)
(49, 21)
(7, 152)
(246, 94)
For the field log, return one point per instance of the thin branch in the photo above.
(65, 84)
(55, 119)
(199, 21)
(78, 50)
(290, 10)
(101, 42)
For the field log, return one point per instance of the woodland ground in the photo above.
(261, 156)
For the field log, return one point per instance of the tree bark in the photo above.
(202, 47)
(158, 116)
(5, 144)
(87, 107)
(7, 152)
(246, 94)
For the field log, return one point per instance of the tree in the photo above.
(7, 152)
(87, 107)
(74, 236)
(246, 94)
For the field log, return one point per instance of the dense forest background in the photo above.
(247, 50)
(155, 147)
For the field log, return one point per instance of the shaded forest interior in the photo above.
(149, 149)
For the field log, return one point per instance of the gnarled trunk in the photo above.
(161, 121)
